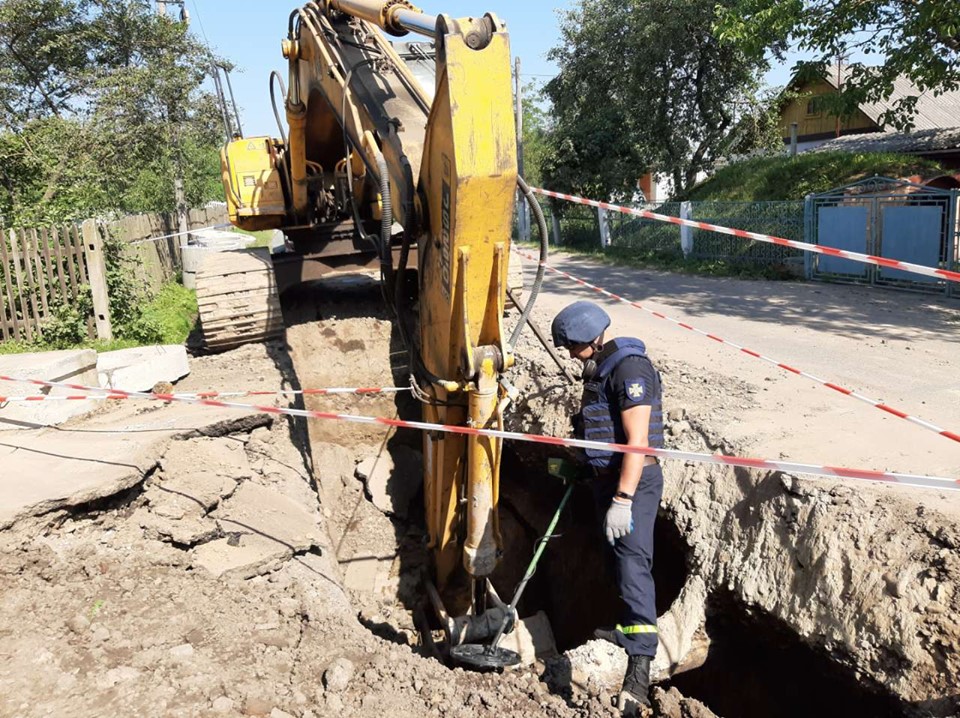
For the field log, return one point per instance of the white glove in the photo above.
(619, 520)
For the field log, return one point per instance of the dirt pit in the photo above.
(273, 569)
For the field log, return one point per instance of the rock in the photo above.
(337, 676)
(677, 414)
(79, 623)
(181, 652)
(140, 368)
(277, 713)
(255, 706)
(222, 705)
(120, 674)
(392, 479)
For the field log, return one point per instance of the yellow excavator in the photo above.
(382, 171)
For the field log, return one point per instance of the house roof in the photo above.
(932, 111)
(940, 139)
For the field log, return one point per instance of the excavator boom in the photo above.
(379, 170)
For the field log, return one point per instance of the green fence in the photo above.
(579, 228)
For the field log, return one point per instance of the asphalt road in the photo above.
(897, 347)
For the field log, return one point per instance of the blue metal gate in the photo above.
(887, 218)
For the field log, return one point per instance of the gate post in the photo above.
(808, 227)
(686, 233)
(604, 227)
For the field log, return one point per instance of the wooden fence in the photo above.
(42, 268)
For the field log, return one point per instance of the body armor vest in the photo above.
(600, 411)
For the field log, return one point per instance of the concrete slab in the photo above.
(141, 368)
(361, 573)
(78, 366)
(241, 556)
(392, 479)
(263, 529)
(265, 511)
(224, 457)
(49, 469)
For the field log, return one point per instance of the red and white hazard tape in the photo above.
(831, 251)
(180, 234)
(918, 481)
(786, 367)
(113, 395)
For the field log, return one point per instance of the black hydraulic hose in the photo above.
(273, 101)
(541, 267)
(283, 135)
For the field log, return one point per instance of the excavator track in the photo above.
(238, 299)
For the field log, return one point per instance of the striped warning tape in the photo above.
(113, 395)
(180, 234)
(831, 251)
(953, 436)
(915, 480)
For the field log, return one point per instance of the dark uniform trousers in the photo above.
(633, 556)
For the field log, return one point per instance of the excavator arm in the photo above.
(427, 177)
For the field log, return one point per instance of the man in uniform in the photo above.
(621, 404)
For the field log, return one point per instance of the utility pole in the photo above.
(179, 191)
(523, 212)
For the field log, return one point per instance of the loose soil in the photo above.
(253, 574)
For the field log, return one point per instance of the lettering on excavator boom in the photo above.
(445, 233)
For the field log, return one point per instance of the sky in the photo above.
(248, 33)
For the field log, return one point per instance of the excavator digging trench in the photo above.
(370, 486)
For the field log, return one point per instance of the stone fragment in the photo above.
(338, 675)
(241, 556)
(222, 705)
(392, 479)
(181, 652)
(277, 713)
(140, 368)
(255, 706)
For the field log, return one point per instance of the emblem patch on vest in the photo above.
(635, 389)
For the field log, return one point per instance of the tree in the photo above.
(644, 85)
(100, 102)
(918, 39)
(535, 130)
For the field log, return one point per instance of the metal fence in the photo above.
(582, 228)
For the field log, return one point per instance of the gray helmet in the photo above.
(579, 323)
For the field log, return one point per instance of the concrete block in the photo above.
(77, 366)
(140, 368)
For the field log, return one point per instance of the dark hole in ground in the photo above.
(575, 581)
(758, 668)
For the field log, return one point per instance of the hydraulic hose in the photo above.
(386, 223)
(531, 200)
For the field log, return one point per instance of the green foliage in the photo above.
(918, 39)
(67, 325)
(786, 178)
(535, 130)
(644, 85)
(100, 107)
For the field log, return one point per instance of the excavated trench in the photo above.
(757, 665)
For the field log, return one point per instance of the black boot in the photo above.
(636, 685)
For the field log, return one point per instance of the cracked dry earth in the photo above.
(211, 588)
